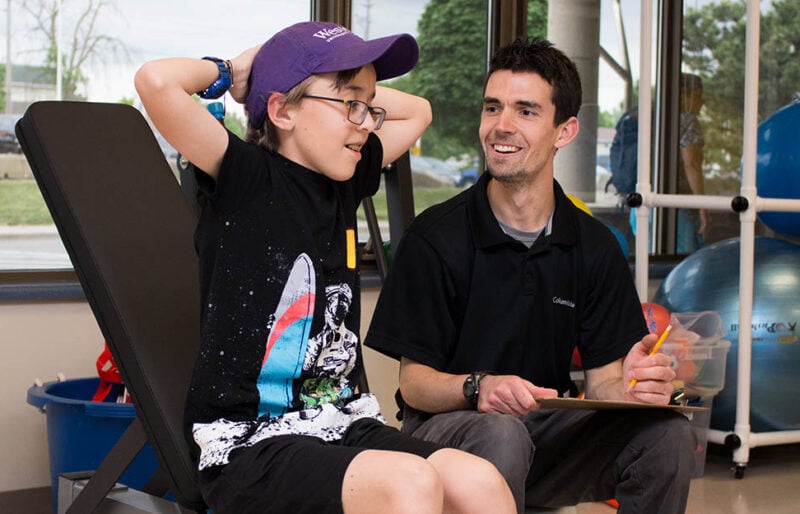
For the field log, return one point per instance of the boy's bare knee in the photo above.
(472, 484)
(482, 475)
(380, 481)
(416, 477)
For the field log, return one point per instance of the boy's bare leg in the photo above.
(471, 484)
(386, 481)
(449, 481)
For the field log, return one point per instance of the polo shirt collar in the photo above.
(486, 231)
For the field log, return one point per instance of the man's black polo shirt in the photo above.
(463, 296)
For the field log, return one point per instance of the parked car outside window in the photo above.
(8, 138)
(468, 177)
(440, 171)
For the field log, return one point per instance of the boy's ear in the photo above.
(279, 112)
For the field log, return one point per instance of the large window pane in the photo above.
(124, 35)
(452, 36)
(603, 40)
(714, 49)
(452, 39)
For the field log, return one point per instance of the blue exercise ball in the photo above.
(621, 239)
(709, 280)
(778, 166)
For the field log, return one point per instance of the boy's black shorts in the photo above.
(294, 473)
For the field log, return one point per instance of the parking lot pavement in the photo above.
(39, 247)
(32, 247)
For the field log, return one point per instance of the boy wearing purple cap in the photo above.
(272, 417)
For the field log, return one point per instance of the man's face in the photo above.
(517, 132)
(322, 138)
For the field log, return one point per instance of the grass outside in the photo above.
(22, 204)
(424, 197)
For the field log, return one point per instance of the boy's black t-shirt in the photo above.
(280, 351)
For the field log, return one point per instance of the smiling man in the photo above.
(515, 278)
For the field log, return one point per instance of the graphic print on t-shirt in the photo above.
(324, 406)
(289, 329)
(332, 353)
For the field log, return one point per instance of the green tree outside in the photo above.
(452, 70)
(452, 40)
(537, 18)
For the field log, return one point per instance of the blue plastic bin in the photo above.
(80, 432)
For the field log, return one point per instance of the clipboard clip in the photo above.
(678, 397)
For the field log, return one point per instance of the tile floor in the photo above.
(771, 485)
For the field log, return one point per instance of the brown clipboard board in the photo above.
(577, 403)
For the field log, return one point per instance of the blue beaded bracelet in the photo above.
(221, 85)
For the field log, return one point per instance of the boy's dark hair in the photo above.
(541, 57)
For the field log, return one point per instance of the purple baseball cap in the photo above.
(312, 47)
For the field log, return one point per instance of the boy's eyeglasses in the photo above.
(357, 110)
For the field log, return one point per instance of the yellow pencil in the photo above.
(661, 339)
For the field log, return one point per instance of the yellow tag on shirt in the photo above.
(351, 248)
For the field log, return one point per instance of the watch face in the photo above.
(469, 389)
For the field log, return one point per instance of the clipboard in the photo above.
(577, 403)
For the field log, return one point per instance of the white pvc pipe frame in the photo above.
(747, 221)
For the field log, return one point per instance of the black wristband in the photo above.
(472, 385)
(221, 85)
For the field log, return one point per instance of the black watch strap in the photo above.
(472, 386)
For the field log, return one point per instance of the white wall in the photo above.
(41, 340)
(382, 372)
(38, 341)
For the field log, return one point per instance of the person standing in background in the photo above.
(692, 224)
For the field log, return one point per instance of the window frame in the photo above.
(506, 21)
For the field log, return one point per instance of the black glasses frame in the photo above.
(359, 114)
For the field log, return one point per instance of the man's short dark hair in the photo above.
(526, 55)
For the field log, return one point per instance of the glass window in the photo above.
(708, 109)
(100, 60)
(452, 37)
(450, 73)
(603, 41)
(714, 53)
(706, 103)
(617, 83)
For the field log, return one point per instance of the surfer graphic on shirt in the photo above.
(329, 356)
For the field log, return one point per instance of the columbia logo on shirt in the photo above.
(559, 301)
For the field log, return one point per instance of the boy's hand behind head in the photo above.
(240, 72)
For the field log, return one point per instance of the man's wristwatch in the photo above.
(222, 84)
(472, 386)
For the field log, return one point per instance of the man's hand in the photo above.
(510, 394)
(652, 373)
